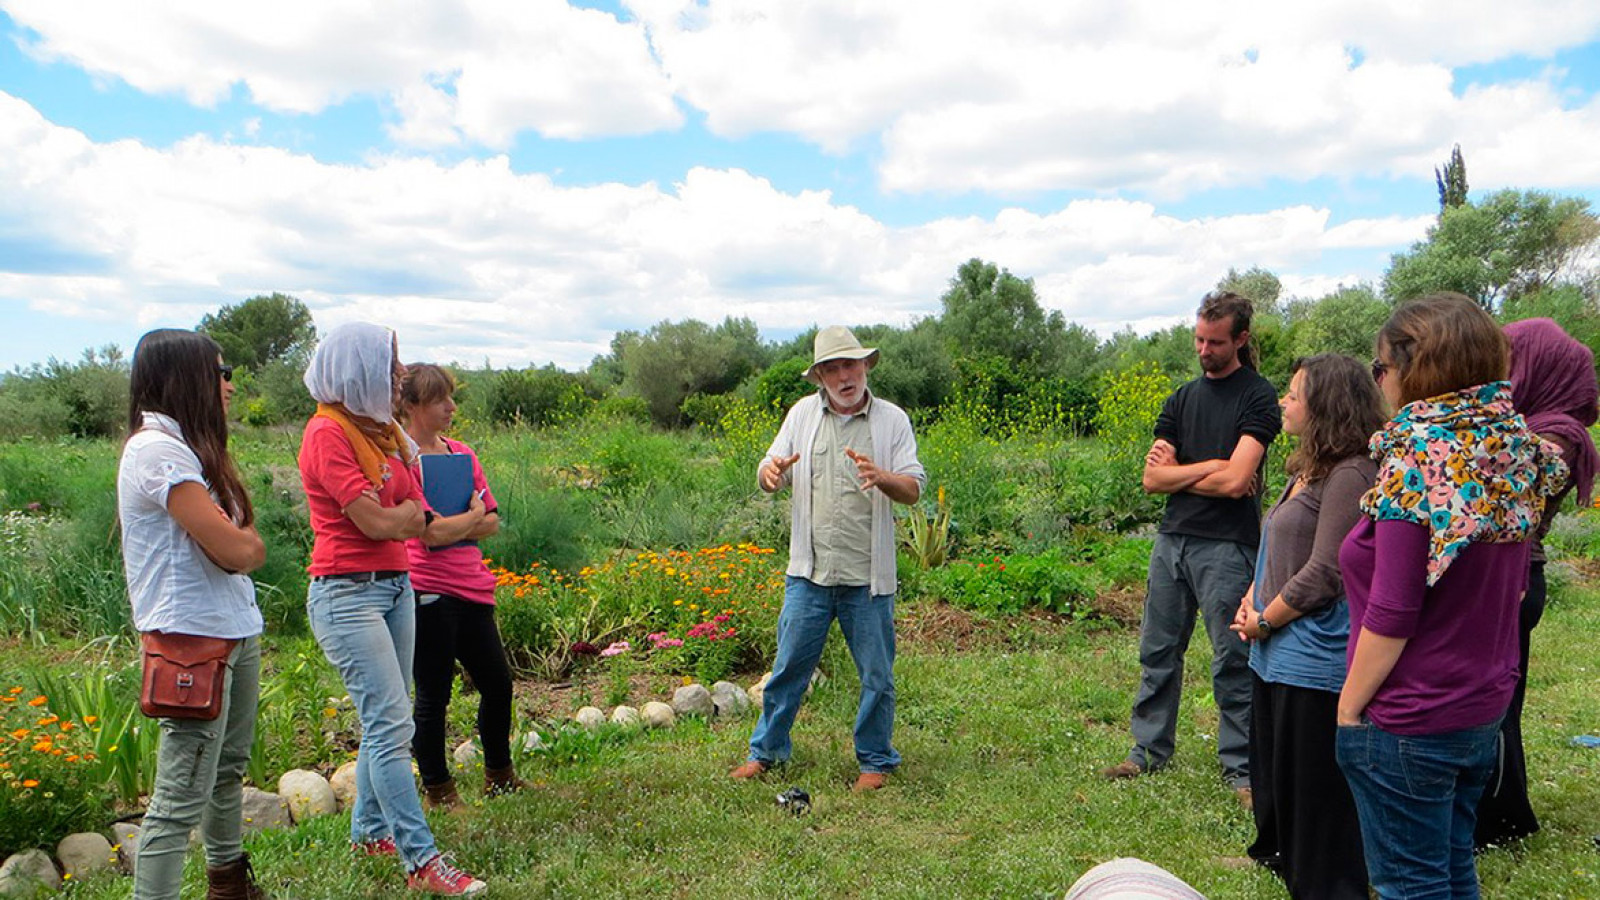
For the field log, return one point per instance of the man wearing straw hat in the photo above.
(852, 456)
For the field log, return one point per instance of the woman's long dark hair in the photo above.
(175, 374)
(1343, 409)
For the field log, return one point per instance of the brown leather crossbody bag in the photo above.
(183, 675)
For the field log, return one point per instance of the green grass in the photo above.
(998, 796)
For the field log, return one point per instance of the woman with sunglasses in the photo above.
(188, 543)
(1553, 386)
(1434, 570)
(364, 506)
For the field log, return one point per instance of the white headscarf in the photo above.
(354, 365)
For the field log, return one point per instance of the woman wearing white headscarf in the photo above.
(364, 505)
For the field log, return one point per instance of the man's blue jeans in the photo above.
(368, 630)
(1417, 797)
(868, 626)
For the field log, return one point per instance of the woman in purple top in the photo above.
(455, 605)
(1434, 571)
(1553, 386)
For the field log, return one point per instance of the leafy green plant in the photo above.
(927, 537)
(48, 787)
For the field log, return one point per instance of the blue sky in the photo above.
(515, 181)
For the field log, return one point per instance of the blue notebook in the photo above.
(447, 483)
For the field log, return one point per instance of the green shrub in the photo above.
(1006, 585)
(535, 397)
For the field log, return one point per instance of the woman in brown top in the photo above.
(1553, 386)
(1296, 621)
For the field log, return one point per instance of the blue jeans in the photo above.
(368, 631)
(200, 769)
(868, 626)
(1417, 798)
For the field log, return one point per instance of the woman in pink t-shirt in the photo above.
(364, 506)
(455, 603)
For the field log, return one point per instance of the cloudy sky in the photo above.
(516, 180)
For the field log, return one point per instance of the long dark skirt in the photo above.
(1504, 813)
(1306, 825)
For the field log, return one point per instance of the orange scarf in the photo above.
(372, 441)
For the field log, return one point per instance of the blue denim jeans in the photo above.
(1417, 798)
(368, 631)
(200, 770)
(868, 625)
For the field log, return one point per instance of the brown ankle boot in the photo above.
(234, 881)
(497, 782)
(442, 796)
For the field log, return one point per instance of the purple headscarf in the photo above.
(1553, 386)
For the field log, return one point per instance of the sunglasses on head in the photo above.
(226, 372)
(1379, 367)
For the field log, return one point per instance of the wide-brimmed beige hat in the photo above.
(837, 342)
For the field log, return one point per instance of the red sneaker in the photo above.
(383, 846)
(439, 877)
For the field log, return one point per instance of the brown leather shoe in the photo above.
(1247, 798)
(233, 881)
(442, 796)
(750, 769)
(1125, 769)
(499, 782)
(870, 781)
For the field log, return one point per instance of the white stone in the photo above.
(590, 717)
(729, 699)
(263, 810)
(127, 835)
(532, 741)
(626, 716)
(85, 852)
(658, 715)
(308, 793)
(343, 783)
(758, 690)
(817, 680)
(466, 753)
(25, 873)
(693, 700)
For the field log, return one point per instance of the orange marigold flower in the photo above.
(20, 733)
(43, 746)
(30, 783)
(39, 700)
(90, 720)
(16, 690)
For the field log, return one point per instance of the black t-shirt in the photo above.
(1204, 419)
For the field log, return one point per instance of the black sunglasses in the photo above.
(225, 371)
(1378, 368)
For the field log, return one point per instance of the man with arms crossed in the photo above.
(850, 456)
(1211, 440)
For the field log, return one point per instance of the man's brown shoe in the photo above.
(1125, 769)
(750, 769)
(869, 781)
(1247, 797)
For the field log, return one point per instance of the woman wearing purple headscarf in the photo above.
(1553, 386)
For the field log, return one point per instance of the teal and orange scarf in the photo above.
(1466, 467)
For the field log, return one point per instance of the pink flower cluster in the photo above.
(660, 641)
(711, 630)
(616, 649)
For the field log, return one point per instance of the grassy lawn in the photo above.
(1002, 732)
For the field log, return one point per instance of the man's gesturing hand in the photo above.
(871, 476)
(772, 469)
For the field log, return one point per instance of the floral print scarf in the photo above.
(1465, 466)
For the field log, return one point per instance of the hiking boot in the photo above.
(438, 876)
(234, 881)
(1125, 769)
(870, 781)
(383, 846)
(442, 796)
(750, 769)
(499, 782)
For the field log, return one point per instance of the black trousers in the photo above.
(1306, 825)
(450, 629)
(1504, 813)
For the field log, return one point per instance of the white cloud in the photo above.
(515, 65)
(475, 261)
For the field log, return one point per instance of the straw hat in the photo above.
(837, 342)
